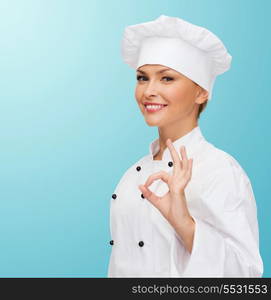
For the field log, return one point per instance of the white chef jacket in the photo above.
(219, 198)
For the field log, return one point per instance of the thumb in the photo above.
(148, 194)
(142, 189)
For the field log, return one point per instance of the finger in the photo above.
(185, 162)
(189, 173)
(159, 175)
(191, 165)
(148, 194)
(174, 155)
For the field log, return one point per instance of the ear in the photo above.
(202, 95)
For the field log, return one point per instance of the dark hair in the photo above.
(201, 108)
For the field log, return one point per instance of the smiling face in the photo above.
(177, 97)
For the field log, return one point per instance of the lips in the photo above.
(153, 103)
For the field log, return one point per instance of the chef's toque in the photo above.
(189, 49)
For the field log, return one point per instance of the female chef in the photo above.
(187, 208)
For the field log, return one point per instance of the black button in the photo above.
(114, 196)
(170, 163)
(138, 168)
(141, 244)
(111, 242)
(142, 196)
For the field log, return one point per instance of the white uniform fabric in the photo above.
(191, 50)
(221, 201)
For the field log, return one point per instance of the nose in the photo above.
(150, 90)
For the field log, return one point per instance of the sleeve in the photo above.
(226, 238)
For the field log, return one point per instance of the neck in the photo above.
(174, 133)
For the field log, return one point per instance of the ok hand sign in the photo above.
(173, 204)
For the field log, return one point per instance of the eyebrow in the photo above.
(161, 71)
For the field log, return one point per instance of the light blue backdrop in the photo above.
(70, 125)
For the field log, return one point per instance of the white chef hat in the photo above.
(189, 49)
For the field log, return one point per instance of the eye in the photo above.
(169, 78)
(138, 77)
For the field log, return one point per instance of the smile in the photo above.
(154, 108)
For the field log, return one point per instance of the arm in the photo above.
(226, 242)
(186, 232)
(185, 225)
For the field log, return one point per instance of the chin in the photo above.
(153, 123)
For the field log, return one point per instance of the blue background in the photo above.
(70, 125)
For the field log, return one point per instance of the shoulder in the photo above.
(224, 183)
(218, 161)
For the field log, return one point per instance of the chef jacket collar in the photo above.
(191, 141)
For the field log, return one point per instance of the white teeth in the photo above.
(154, 106)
